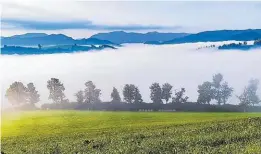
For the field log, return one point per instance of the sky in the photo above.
(81, 19)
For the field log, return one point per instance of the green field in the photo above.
(80, 132)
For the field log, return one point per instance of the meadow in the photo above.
(55, 132)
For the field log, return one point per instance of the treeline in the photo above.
(50, 50)
(163, 97)
(241, 46)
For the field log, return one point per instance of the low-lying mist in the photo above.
(180, 65)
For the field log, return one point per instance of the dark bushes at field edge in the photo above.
(122, 106)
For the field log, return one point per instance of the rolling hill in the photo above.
(33, 39)
(219, 35)
(119, 37)
(125, 37)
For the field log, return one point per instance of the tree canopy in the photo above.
(17, 93)
(56, 90)
(166, 92)
(249, 95)
(91, 93)
(156, 93)
(115, 95)
(33, 96)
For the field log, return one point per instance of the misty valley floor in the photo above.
(130, 132)
(181, 65)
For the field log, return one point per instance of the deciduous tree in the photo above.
(205, 93)
(129, 93)
(91, 93)
(137, 96)
(33, 96)
(166, 92)
(115, 95)
(226, 92)
(79, 96)
(179, 96)
(156, 93)
(56, 90)
(221, 90)
(16, 93)
(249, 96)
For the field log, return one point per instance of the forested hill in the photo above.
(131, 37)
(177, 38)
(119, 37)
(10, 50)
(219, 35)
(33, 39)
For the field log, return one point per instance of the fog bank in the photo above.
(180, 65)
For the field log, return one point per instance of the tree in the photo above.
(249, 96)
(17, 93)
(137, 96)
(226, 92)
(56, 89)
(33, 96)
(92, 95)
(79, 96)
(221, 90)
(205, 93)
(115, 95)
(179, 96)
(217, 79)
(97, 94)
(166, 92)
(39, 46)
(129, 93)
(156, 93)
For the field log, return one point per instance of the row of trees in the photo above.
(216, 90)
(220, 91)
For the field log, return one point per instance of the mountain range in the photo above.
(119, 37)
(219, 35)
(33, 39)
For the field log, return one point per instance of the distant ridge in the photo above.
(93, 41)
(218, 35)
(119, 37)
(33, 39)
(28, 35)
(131, 37)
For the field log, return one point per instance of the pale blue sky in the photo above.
(82, 19)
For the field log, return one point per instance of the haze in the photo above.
(180, 65)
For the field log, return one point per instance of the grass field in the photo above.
(80, 132)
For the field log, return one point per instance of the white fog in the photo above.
(180, 65)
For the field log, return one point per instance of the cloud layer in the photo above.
(61, 25)
(180, 65)
(189, 17)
